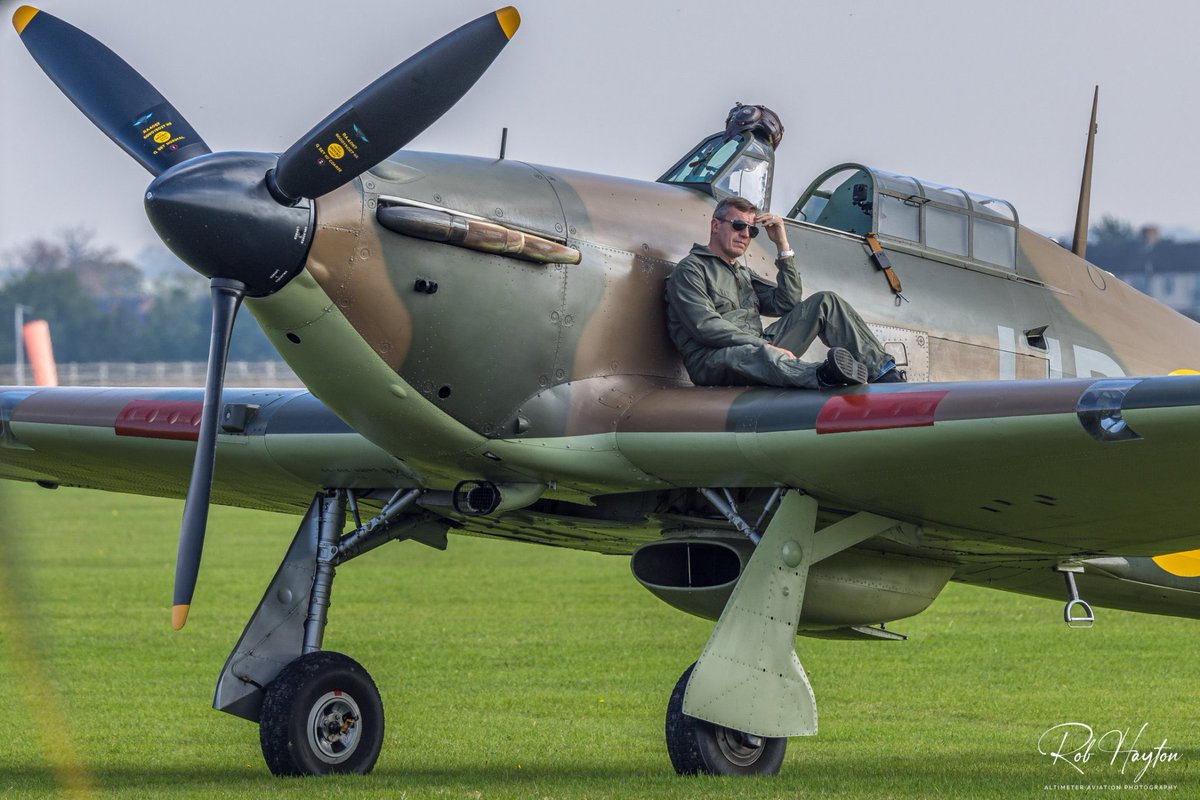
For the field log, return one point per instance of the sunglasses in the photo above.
(740, 225)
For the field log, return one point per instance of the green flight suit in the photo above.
(713, 317)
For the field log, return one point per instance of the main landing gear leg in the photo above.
(319, 712)
(732, 710)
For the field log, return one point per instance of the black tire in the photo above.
(699, 747)
(322, 714)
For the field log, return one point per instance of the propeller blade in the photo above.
(390, 112)
(109, 92)
(227, 296)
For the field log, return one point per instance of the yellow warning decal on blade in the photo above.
(509, 19)
(1184, 565)
(25, 13)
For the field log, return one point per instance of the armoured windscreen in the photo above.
(741, 166)
(705, 161)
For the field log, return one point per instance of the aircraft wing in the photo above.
(1013, 472)
(1063, 467)
(1008, 482)
(276, 447)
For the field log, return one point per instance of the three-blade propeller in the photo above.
(233, 216)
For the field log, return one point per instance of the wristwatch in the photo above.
(786, 253)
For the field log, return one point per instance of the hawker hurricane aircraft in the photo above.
(485, 352)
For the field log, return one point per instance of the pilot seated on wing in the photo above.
(714, 303)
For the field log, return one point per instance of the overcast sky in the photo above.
(992, 97)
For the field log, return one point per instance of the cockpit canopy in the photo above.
(860, 199)
(723, 167)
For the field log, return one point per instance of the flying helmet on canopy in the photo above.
(759, 119)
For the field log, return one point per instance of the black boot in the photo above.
(841, 369)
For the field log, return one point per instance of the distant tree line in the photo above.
(1118, 247)
(1162, 266)
(101, 307)
(1114, 244)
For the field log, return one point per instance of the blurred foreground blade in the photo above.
(227, 296)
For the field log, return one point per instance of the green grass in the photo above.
(528, 672)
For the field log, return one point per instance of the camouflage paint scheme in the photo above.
(564, 376)
(465, 319)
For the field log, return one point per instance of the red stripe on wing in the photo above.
(873, 412)
(161, 419)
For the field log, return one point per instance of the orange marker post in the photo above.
(41, 353)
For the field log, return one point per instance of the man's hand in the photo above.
(773, 224)
(786, 352)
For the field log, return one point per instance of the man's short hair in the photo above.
(736, 203)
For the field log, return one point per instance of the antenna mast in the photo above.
(1079, 246)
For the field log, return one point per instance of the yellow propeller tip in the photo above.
(23, 15)
(179, 616)
(509, 19)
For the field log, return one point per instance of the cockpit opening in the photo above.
(940, 219)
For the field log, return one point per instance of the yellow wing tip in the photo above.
(1183, 565)
(22, 16)
(179, 615)
(509, 19)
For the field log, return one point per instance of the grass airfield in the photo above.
(529, 672)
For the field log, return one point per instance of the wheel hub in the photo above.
(742, 749)
(333, 727)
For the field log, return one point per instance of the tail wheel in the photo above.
(699, 747)
(322, 714)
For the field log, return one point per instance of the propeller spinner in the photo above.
(241, 219)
